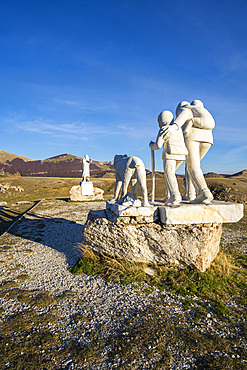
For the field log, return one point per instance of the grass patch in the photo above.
(8, 285)
(112, 269)
(5, 248)
(32, 350)
(27, 250)
(25, 321)
(223, 281)
(23, 277)
(32, 298)
(143, 338)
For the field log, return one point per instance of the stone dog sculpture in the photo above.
(130, 169)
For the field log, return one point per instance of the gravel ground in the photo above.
(44, 245)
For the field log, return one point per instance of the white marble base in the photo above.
(215, 212)
(183, 214)
(76, 196)
(86, 188)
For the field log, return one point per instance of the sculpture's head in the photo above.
(165, 117)
(119, 157)
(180, 106)
(86, 157)
(197, 103)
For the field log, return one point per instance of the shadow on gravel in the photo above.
(7, 217)
(10, 214)
(57, 233)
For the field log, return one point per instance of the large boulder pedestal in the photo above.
(187, 235)
(85, 192)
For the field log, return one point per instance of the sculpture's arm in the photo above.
(159, 141)
(183, 117)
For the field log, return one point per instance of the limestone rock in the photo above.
(186, 245)
(76, 195)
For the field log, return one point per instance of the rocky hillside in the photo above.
(8, 157)
(241, 174)
(63, 165)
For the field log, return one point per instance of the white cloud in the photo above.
(77, 130)
(235, 152)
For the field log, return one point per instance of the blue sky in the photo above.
(90, 76)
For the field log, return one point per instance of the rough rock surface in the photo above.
(75, 194)
(193, 245)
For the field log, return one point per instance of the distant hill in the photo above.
(213, 174)
(6, 157)
(63, 165)
(68, 165)
(242, 174)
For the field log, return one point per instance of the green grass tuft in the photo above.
(224, 280)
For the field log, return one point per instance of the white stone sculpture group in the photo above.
(187, 137)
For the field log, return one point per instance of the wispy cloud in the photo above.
(233, 135)
(77, 130)
(41, 127)
(75, 104)
(237, 151)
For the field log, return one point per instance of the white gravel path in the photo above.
(44, 245)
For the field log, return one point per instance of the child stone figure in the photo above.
(197, 124)
(174, 152)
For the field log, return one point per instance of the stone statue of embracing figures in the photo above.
(177, 233)
(188, 137)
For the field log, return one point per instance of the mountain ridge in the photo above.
(6, 157)
(62, 165)
(68, 165)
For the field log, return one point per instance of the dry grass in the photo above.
(224, 280)
(224, 265)
(36, 188)
(111, 268)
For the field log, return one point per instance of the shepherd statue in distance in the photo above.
(85, 169)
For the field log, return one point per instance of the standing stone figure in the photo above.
(85, 169)
(173, 155)
(197, 124)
